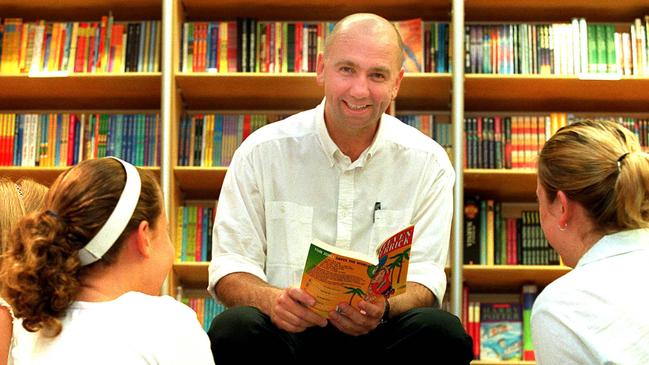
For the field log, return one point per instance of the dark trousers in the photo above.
(242, 335)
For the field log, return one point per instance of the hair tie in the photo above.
(19, 190)
(52, 213)
(21, 198)
(619, 161)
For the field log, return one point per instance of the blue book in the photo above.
(18, 140)
(204, 233)
(501, 332)
(77, 140)
(218, 140)
(139, 156)
(58, 138)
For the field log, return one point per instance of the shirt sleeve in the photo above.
(238, 237)
(432, 218)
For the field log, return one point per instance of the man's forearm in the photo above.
(416, 296)
(244, 289)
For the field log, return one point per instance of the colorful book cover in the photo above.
(411, 32)
(500, 331)
(333, 275)
(529, 294)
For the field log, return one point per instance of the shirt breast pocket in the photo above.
(289, 234)
(386, 223)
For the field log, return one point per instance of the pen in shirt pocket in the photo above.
(377, 206)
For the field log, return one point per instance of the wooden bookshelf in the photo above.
(510, 277)
(554, 10)
(554, 93)
(81, 91)
(86, 10)
(47, 175)
(200, 182)
(191, 274)
(315, 9)
(296, 91)
(502, 185)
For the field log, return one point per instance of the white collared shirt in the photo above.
(133, 329)
(289, 183)
(597, 313)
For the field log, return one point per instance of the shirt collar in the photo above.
(617, 244)
(332, 151)
(327, 143)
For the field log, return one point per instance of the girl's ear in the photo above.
(565, 207)
(142, 241)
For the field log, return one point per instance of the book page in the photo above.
(332, 278)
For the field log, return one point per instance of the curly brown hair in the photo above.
(41, 271)
(18, 198)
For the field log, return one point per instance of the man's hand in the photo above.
(290, 312)
(356, 322)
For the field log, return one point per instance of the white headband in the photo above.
(119, 218)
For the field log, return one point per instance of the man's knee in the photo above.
(439, 331)
(237, 324)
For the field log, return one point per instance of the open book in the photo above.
(333, 275)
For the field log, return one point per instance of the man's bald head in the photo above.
(368, 23)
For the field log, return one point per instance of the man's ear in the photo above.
(142, 241)
(397, 84)
(320, 69)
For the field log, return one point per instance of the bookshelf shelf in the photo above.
(503, 185)
(57, 10)
(554, 93)
(81, 91)
(46, 175)
(191, 274)
(554, 10)
(296, 91)
(506, 277)
(314, 9)
(200, 182)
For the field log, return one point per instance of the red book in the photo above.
(246, 127)
(81, 47)
(92, 35)
(102, 44)
(233, 44)
(71, 141)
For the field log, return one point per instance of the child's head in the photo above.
(601, 165)
(88, 214)
(18, 199)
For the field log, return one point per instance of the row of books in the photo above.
(65, 139)
(105, 46)
(497, 233)
(560, 48)
(513, 142)
(194, 232)
(206, 308)
(210, 139)
(501, 330)
(248, 45)
(437, 127)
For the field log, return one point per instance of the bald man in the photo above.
(322, 174)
